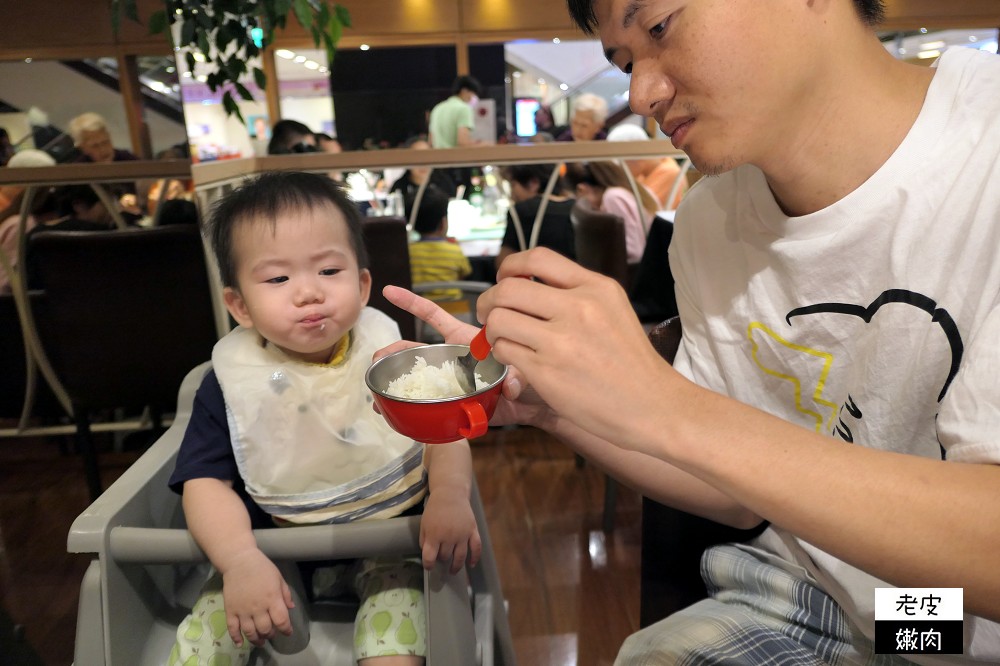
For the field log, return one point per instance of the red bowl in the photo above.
(441, 420)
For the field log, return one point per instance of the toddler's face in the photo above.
(299, 284)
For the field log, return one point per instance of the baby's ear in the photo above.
(237, 307)
(365, 283)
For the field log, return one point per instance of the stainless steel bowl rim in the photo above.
(413, 350)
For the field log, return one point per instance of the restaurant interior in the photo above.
(84, 445)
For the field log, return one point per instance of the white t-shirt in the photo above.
(875, 320)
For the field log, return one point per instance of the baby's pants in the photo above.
(390, 621)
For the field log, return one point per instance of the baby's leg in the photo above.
(391, 625)
(203, 638)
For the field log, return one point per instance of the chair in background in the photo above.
(389, 261)
(463, 308)
(673, 540)
(121, 318)
(147, 571)
(600, 247)
(600, 242)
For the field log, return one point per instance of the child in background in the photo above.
(283, 431)
(435, 257)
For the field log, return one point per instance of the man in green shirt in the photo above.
(451, 121)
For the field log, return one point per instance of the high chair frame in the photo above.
(134, 589)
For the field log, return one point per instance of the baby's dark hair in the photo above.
(433, 209)
(582, 12)
(265, 198)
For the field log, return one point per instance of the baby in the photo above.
(283, 432)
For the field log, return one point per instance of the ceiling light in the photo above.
(171, 69)
(923, 31)
(924, 55)
(930, 46)
(563, 86)
(365, 47)
(28, 60)
(199, 56)
(299, 59)
(311, 64)
(517, 74)
(555, 40)
(285, 53)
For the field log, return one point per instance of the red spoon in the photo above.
(465, 368)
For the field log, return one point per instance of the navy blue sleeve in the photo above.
(206, 451)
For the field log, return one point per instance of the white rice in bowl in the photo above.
(429, 382)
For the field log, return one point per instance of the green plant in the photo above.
(228, 33)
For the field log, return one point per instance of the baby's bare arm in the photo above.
(256, 596)
(448, 530)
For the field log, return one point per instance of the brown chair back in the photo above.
(600, 242)
(389, 261)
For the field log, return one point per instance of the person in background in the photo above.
(328, 144)
(605, 187)
(413, 177)
(43, 210)
(527, 184)
(291, 136)
(77, 208)
(435, 257)
(92, 139)
(657, 174)
(6, 147)
(836, 382)
(295, 272)
(586, 123)
(545, 123)
(451, 121)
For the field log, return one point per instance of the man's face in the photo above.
(97, 145)
(721, 77)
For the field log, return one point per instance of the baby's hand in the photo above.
(448, 530)
(257, 599)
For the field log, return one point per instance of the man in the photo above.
(840, 305)
(451, 121)
(586, 123)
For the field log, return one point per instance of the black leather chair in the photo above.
(600, 242)
(16, 388)
(673, 540)
(600, 247)
(122, 317)
(389, 254)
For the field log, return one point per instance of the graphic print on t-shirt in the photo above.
(901, 335)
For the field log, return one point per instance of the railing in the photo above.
(213, 179)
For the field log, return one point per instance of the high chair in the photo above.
(147, 571)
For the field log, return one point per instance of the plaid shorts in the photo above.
(756, 614)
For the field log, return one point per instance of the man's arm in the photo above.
(908, 520)
(464, 138)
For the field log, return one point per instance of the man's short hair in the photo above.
(286, 137)
(265, 198)
(582, 12)
(433, 209)
(525, 174)
(593, 103)
(85, 122)
(467, 83)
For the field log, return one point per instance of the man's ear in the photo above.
(237, 307)
(365, 280)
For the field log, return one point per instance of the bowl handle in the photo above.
(477, 420)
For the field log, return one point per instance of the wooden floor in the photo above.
(572, 589)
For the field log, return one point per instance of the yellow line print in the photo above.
(817, 395)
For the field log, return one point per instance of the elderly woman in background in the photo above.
(606, 188)
(587, 120)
